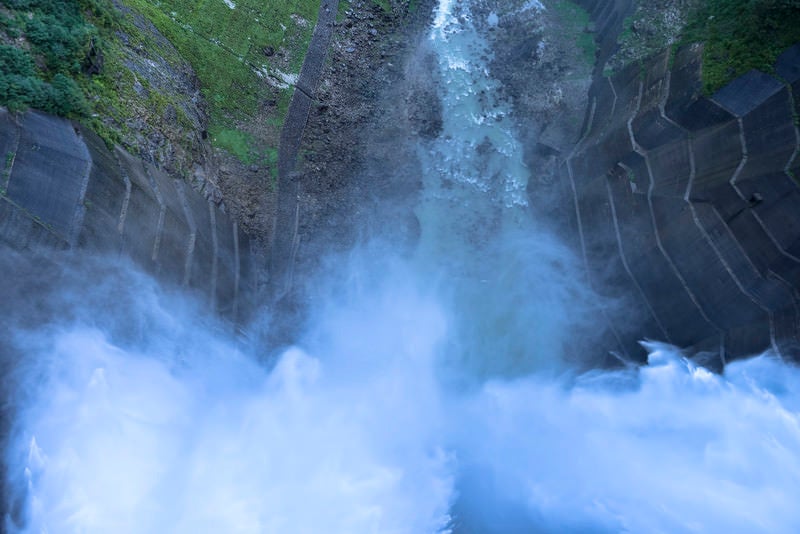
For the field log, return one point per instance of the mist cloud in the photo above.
(136, 412)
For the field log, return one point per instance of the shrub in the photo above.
(15, 61)
(741, 35)
(59, 38)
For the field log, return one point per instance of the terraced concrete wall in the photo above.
(688, 208)
(62, 188)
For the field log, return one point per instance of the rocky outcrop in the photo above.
(687, 208)
(284, 241)
(349, 121)
(61, 187)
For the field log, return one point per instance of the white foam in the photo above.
(360, 433)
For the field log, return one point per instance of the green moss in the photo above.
(575, 20)
(236, 142)
(8, 164)
(741, 35)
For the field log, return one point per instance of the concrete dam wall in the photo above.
(687, 208)
(62, 188)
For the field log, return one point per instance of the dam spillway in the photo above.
(458, 388)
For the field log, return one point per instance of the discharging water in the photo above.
(427, 394)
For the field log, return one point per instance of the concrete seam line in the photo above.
(734, 179)
(80, 209)
(36, 221)
(215, 252)
(586, 267)
(10, 169)
(729, 269)
(795, 298)
(237, 265)
(787, 172)
(693, 170)
(187, 268)
(162, 212)
(686, 197)
(793, 103)
(581, 236)
(656, 232)
(309, 94)
(699, 224)
(614, 92)
(743, 161)
(295, 247)
(624, 258)
(589, 125)
(696, 219)
(123, 215)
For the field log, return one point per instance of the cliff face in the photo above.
(62, 188)
(687, 208)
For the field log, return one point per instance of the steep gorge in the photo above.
(475, 227)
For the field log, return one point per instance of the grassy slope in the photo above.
(243, 52)
(233, 50)
(575, 21)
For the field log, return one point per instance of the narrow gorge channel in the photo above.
(458, 388)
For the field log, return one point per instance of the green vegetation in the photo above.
(386, 5)
(654, 26)
(7, 168)
(73, 58)
(741, 35)
(58, 44)
(244, 146)
(240, 144)
(232, 48)
(576, 20)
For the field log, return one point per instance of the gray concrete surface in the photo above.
(63, 188)
(688, 208)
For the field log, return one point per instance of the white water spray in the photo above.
(177, 430)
